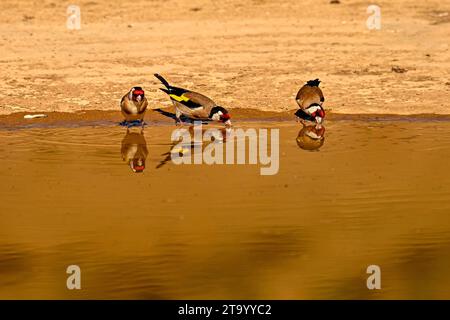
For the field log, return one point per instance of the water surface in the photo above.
(369, 193)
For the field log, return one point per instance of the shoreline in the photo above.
(156, 116)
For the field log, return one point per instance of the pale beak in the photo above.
(319, 120)
(139, 98)
(228, 123)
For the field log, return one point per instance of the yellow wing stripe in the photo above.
(179, 98)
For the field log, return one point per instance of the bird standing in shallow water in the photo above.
(310, 99)
(194, 105)
(133, 106)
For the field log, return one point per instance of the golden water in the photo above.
(376, 193)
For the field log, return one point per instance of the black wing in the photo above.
(303, 115)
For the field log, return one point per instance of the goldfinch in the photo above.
(194, 105)
(133, 105)
(310, 99)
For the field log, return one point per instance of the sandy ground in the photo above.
(254, 54)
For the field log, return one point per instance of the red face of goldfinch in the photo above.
(225, 118)
(137, 94)
(318, 115)
(220, 114)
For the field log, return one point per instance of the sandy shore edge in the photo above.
(162, 116)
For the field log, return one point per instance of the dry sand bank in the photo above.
(244, 55)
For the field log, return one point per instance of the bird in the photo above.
(194, 105)
(310, 99)
(133, 106)
(134, 151)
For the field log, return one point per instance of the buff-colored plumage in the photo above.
(310, 94)
(194, 105)
(132, 109)
(202, 112)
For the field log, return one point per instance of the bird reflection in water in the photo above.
(134, 150)
(311, 137)
(187, 149)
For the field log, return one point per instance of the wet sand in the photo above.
(152, 117)
(373, 193)
(252, 55)
(164, 117)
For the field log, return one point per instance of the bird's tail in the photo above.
(165, 90)
(163, 81)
